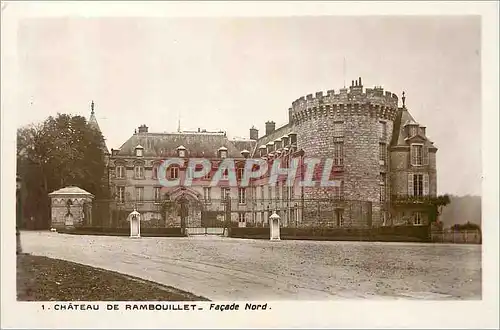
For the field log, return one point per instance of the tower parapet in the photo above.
(355, 100)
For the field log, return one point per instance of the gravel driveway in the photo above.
(238, 269)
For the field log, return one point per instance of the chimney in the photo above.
(422, 130)
(143, 129)
(270, 127)
(254, 133)
(360, 82)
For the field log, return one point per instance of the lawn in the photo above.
(47, 279)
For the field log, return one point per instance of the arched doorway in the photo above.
(188, 206)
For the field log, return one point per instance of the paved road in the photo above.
(235, 269)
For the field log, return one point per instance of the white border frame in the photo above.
(375, 314)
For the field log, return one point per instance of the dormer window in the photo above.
(181, 151)
(413, 130)
(222, 152)
(139, 151)
(262, 151)
(270, 147)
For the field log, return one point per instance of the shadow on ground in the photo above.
(46, 279)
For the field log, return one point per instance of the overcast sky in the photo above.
(230, 74)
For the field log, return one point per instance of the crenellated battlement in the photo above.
(355, 100)
(375, 96)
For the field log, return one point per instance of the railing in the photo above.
(333, 212)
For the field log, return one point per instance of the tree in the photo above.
(61, 151)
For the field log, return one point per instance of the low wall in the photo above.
(457, 236)
(382, 234)
(109, 231)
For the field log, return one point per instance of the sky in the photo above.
(231, 73)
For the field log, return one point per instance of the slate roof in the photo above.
(199, 144)
(276, 134)
(399, 137)
(93, 123)
(244, 144)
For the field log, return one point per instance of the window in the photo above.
(285, 191)
(382, 187)
(277, 189)
(339, 217)
(241, 217)
(206, 194)
(382, 133)
(270, 193)
(157, 193)
(416, 154)
(338, 129)
(242, 195)
(224, 193)
(174, 172)
(189, 172)
(417, 219)
(138, 151)
(182, 153)
(155, 172)
(338, 154)
(413, 130)
(225, 174)
(139, 172)
(338, 190)
(121, 194)
(382, 153)
(418, 185)
(240, 172)
(120, 172)
(139, 194)
(222, 152)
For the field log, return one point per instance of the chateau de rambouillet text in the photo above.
(380, 161)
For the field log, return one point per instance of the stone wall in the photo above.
(361, 114)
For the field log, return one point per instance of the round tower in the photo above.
(353, 128)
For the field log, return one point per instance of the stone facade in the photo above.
(71, 207)
(370, 138)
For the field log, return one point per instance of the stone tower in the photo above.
(354, 128)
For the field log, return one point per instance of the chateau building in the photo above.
(380, 155)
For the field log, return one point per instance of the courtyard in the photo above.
(220, 268)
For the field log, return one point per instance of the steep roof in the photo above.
(399, 137)
(93, 123)
(197, 144)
